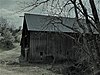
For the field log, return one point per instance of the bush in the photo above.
(82, 68)
(6, 44)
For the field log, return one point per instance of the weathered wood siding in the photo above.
(49, 43)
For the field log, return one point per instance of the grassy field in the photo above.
(10, 56)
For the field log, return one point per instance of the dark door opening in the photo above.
(41, 53)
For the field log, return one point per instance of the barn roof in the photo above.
(37, 22)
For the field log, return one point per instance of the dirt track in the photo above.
(12, 56)
(24, 71)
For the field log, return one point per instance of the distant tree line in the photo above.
(8, 34)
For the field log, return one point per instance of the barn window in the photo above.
(41, 53)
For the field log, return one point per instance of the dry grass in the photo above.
(10, 56)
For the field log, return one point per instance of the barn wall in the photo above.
(48, 43)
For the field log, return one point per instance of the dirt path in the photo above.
(7, 72)
(12, 56)
(25, 71)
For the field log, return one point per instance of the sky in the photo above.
(8, 9)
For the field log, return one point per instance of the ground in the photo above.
(9, 65)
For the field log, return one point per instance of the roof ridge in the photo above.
(46, 15)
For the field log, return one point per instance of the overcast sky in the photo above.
(7, 9)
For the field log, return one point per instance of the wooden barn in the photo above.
(44, 37)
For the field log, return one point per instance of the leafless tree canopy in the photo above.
(87, 10)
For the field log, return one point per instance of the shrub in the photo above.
(6, 44)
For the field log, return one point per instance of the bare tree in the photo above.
(80, 11)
